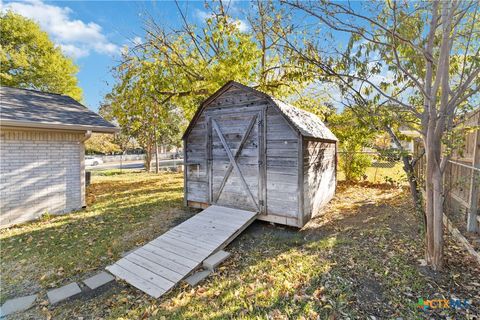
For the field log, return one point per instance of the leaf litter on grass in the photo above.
(358, 260)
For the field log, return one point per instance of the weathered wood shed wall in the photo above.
(247, 150)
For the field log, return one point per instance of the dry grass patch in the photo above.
(357, 261)
(124, 211)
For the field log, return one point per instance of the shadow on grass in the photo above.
(123, 215)
(361, 263)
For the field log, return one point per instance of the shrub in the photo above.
(354, 165)
(353, 137)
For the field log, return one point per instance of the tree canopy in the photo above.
(416, 63)
(161, 83)
(102, 143)
(29, 59)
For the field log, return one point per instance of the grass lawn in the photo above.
(384, 172)
(124, 211)
(359, 259)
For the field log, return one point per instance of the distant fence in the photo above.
(124, 157)
(133, 157)
(461, 179)
(385, 166)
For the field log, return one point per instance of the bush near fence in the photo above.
(385, 167)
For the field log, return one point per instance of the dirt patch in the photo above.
(370, 296)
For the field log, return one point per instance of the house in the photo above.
(247, 150)
(42, 153)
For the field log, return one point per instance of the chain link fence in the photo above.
(382, 166)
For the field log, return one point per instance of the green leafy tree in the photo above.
(134, 104)
(122, 139)
(29, 59)
(200, 59)
(102, 143)
(161, 83)
(353, 136)
(426, 56)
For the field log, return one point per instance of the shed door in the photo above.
(236, 159)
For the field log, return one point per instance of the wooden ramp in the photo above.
(159, 265)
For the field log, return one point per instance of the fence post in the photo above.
(472, 223)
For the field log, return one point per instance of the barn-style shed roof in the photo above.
(306, 123)
(36, 109)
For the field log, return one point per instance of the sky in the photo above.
(94, 32)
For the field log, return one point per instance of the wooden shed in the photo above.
(245, 149)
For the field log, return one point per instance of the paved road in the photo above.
(133, 164)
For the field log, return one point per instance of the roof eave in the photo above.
(57, 126)
(328, 140)
(202, 106)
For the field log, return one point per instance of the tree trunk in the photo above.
(437, 259)
(408, 167)
(429, 207)
(148, 158)
(157, 163)
(434, 202)
(414, 190)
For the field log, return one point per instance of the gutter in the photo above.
(58, 126)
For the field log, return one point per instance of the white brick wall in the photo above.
(40, 171)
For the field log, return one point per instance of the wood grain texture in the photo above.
(269, 166)
(319, 165)
(159, 265)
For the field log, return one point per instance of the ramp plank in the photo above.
(146, 274)
(164, 261)
(159, 265)
(192, 235)
(170, 255)
(159, 269)
(136, 281)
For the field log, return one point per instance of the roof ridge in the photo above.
(272, 97)
(38, 91)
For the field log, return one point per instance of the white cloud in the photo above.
(73, 51)
(242, 25)
(202, 15)
(75, 37)
(137, 41)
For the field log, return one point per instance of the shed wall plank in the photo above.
(281, 156)
(319, 176)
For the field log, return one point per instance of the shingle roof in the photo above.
(30, 108)
(307, 123)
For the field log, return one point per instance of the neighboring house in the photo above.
(42, 153)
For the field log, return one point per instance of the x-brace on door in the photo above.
(236, 154)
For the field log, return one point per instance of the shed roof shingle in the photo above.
(30, 108)
(307, 123)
